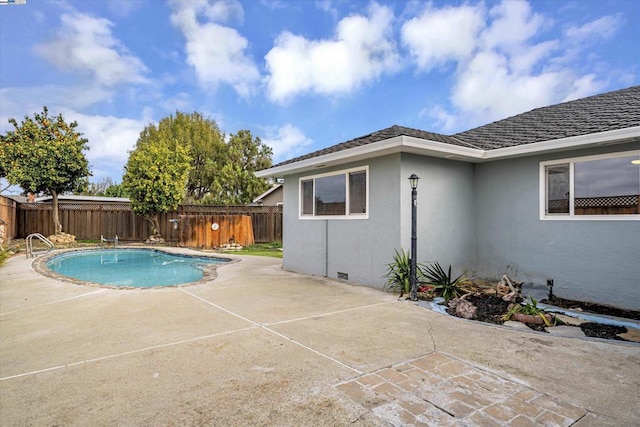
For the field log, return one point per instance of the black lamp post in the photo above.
(413, 181)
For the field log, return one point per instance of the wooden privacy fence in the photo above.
(210, 231)
(8, 215)
(89, 221)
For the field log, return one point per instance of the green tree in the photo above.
(115, 190)
(205, 144)
(221, 172)
(45, 155)
(156, 175)
(97, 188)
(236, 180)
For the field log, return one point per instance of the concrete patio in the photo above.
(263, 346)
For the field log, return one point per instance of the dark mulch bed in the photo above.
(592, 308)
(491, 309)
(598, 330)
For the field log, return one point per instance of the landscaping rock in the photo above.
(230, 247)
(632, 334)
(465, 309)
(155, 240)
(516, 325)
(62, 238)
(571, 321)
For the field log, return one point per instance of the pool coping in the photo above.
(210, 272)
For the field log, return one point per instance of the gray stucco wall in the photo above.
(445, 214)
(597, 261)
(363, 248)
(360, 248)
(480, 218)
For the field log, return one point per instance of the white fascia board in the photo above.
(338, 157)
(441, 149)
(375, 149)
(618, 136)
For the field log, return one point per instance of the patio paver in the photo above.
(437, 389)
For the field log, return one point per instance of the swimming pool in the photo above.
(135, 268)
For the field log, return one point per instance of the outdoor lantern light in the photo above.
(413, 181)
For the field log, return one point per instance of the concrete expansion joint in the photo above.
(433, 340)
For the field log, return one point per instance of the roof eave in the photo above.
(405, 144)
(266, 193)
(613, 137)
(408, 144)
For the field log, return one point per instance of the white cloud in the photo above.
(443, 119)
(601, 28)
(17, 102)
(361, 51)
(441, 35)
(513, 24)
(584, 86)
(124, 7)
(216, 52)
(488, 90)
(85, 44)
(286, 142)
(110, 140)
(503, 63)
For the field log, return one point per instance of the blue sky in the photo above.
(304, 75)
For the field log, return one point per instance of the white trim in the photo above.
(439, 149)
(266, 193)
(347, 216)
(544, 216)
(617, 136)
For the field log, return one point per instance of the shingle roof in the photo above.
(609, 111)
(599, 113)
(381, 135)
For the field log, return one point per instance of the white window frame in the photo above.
(347, 215)
(571, 216)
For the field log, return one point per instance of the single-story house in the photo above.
(552, 193)
(272, 197)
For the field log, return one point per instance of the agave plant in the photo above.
(443, 283)
(399, 273)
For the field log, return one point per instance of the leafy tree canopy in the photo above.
(156, 175)
(205, 143)
(222, 172)
(104, 187)
(237, 183)
(45, 155)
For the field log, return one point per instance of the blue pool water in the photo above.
(138, 268)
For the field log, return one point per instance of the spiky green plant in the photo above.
(442, 282)
(399, 273)
(530, 308)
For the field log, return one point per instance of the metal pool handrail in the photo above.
(29, 244)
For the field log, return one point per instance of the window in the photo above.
(602, 187)
(335, 195)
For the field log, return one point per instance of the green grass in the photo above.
(273, 249)
(4, 254)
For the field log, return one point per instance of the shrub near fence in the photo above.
(89, 221)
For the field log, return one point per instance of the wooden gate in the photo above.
(211, 231)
